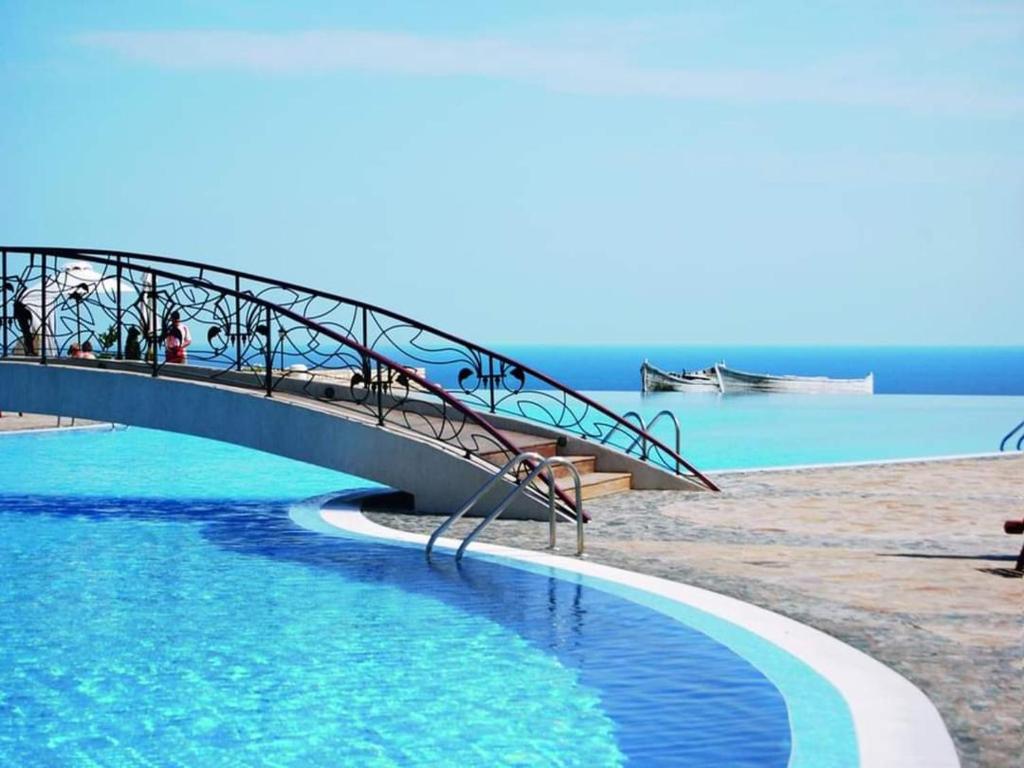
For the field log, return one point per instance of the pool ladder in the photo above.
(647, 428)
(1009, 436)
(541, 464)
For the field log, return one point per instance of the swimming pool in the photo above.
(757, 431)
(160, 606)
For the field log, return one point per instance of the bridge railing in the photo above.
(56, 306)
(482, 378)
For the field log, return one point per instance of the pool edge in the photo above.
(101, 427)
(894, 721)
(865, 463)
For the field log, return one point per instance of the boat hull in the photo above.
(725, 380)
(653, 379)
(741, 381)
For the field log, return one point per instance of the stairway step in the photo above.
(594, 484)
(498, 458)
(584, 465)
(545, 446)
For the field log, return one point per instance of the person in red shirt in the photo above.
(177, 340)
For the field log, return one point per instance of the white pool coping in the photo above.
(104, 427)
(866, 463)
(895, 723)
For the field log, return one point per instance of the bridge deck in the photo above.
(411, 420)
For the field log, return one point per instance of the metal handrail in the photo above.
(675, 421)
(545, 463)
(1009, 436)
(618, 421)
(342, 339)
(647, 428)
(548, 464)
(512, 464)
(624, 419)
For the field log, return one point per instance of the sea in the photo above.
(929, 401)
(898, 370)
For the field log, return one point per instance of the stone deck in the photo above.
(902, 561)
(12, 422)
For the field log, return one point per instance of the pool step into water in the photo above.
(593, 482)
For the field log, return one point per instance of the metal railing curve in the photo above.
(1009, 437)
(647, 428)
(483, 378)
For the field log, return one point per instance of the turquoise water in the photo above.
(784, 430)
(159, 607)
(147, 464)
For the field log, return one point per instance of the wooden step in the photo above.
(545, 446)
(594, 484)
(498, 458)
(584, 465)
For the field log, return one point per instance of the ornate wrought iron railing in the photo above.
(480, 378)
(55, 307)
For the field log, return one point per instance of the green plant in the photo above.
(108, 338)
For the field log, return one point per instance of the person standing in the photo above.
(177, 340)
(132, 347)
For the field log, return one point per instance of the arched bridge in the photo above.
(302, 373)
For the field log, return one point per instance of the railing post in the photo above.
(120, 312)
(490, 378)
(380, 396)
(238, 325)
(43, 312)
(366, 358)
(552, 522)
(153, 321)
(579, 524)
(3, 290)
(268, 354)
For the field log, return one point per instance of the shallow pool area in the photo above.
(160, 604)
(759, 431)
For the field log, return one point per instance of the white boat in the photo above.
(741, 381)
(653, 379)
(720, 378)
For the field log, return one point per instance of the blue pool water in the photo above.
(720, 433)
(159, 607)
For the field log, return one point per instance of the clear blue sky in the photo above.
(581, 172)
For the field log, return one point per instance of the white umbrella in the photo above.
(78, 279)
